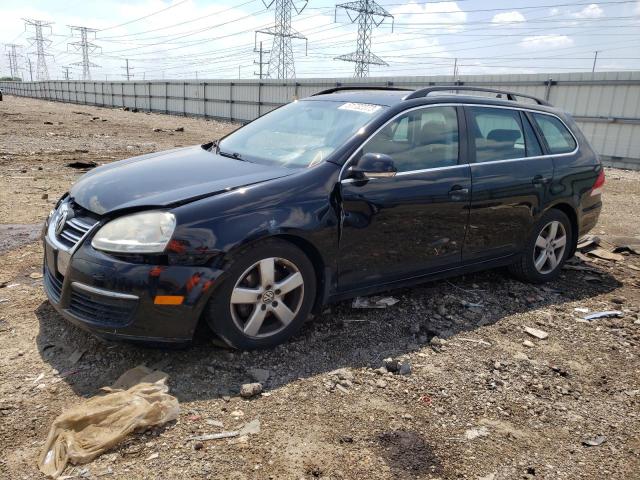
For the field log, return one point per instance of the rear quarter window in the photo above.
(555, 133)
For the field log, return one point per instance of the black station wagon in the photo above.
(352, 191)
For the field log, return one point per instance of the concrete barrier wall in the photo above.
(605, 105)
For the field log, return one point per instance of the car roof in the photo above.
(391, 97)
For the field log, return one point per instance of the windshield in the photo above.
(300, 134)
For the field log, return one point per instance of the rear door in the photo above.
(510, 181)
(415, 222)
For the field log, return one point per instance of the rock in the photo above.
(157, 129)
(237, 414)
(249, 390)
(35, 275)
(534, 332)
(618, 300)
(153, 456)
(198, 446)
(260, 375)
(342, 374)
(474, 433)
(126, 109)
(381, 384)
(381, 371)
(528, 343)
(436, 341)
(391, 365)
(594, 442)
(251, 428)
(405, 369)
(48, 123)
(442, 310)
(45, 196)
(179, 129)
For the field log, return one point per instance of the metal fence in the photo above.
(605, 105)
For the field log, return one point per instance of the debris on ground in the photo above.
(607, 314)
(373, 302)
(474, 433)
(82, 165)
(537, 333)
(251, 428)
(595, 441)
(138, 400)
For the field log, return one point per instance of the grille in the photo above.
(53, 285)
(97, 309)
(76, 227)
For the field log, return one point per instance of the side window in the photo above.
(531, 141)
(420, 139)
(555, 133)
(497, 134)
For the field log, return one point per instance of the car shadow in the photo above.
(340, 337)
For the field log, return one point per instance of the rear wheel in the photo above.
(268, 293)
(547, 249)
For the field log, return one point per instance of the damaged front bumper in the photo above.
(116, 299)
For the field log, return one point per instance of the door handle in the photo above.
(540, 180)
(458, 190)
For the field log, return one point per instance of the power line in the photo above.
(145, 16)
(369, 14)
(281, 62)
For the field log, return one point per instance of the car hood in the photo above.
(166, 178)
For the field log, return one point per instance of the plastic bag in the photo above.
(136, 401)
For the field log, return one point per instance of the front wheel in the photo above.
(268, 292)
(546, 250)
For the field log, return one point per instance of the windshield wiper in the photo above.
(234, 155)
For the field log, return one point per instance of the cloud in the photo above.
(590, 11)
(444, 17)
(546, 41)
(507, 18)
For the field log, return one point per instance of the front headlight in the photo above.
(145, 232)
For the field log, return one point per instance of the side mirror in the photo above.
(373, 165)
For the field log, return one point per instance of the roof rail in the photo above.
(423, 92)
(359, 87)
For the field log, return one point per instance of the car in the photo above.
(352, 191)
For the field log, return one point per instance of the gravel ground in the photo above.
(483, 399)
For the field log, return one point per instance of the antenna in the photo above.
(281, 63)
(86, 48)
(368, 14)
(42, 72)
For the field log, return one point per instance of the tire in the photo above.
(273, 315)
(546, 268)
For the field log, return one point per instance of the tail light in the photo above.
(598, 187)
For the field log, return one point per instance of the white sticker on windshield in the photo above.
(360, 107)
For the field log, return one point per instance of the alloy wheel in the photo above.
(267, 297)
(549, 248)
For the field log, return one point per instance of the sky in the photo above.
(210, 39)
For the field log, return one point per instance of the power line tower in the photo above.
(281, 63)
(66, 72)
(128, 69)
(261, 73)
(41, 43)
(12, 54)
(86, 47)
(368, 14)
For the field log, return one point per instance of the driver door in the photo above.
(414, 222)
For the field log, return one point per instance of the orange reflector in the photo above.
(168, 300)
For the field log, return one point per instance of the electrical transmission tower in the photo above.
(13, 58)
(66, 72)
(281, 63)
(368, 14)
(42, 73)
(261, 73)
(86, 48)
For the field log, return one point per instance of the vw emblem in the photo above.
(268, 296)
(61, 220)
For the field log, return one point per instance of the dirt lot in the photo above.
(484, 400)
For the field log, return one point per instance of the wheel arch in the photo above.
(570, 212)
